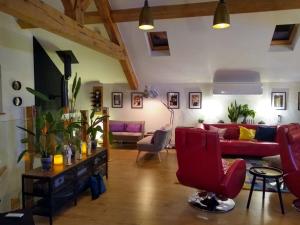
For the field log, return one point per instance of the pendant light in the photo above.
(221, 18)
(146, 19)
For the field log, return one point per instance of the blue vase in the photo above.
(46, 163)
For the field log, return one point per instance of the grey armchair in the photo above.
(154, 144)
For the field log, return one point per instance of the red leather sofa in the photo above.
(289, 141)
(230, 145)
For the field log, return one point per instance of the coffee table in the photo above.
(266, 173)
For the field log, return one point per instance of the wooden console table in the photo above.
(45, 192)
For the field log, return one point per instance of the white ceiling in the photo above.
(198, 51)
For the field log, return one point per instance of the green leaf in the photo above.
(22, 155)
(92, 114)
(24, 140)
(49, 118)
(38, 94)
(74, 83)
(28, 131)
(77, 88)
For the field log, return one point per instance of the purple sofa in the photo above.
(127, 131)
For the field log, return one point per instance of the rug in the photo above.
(270, 183)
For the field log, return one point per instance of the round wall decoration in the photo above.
(16, 85)
(17, 101)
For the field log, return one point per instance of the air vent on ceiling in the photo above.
(237, 82)
(158, 43)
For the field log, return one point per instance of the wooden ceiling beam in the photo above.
(193, 10)
(114, 34)
(205, 9)
(69, 8)
(46, 17)
(85, 4)
(78, 11)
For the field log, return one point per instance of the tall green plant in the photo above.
(95, 125)
(76, 85)
(234, 112)
(245, 112)
(46, 123)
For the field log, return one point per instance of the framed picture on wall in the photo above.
(278, 100)
(117, 99)
(195, 100)
(136, 100)
(173, 100)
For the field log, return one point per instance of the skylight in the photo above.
(284, 34)
(158, 43)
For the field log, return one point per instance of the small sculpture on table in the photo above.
(68, 151)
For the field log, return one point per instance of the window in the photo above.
(158, 41)
(284, 34)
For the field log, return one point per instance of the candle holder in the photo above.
(58, 159)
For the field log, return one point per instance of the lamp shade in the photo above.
(146, 19)
(221, 17)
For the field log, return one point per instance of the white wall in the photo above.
(16, 60)
(214, 107)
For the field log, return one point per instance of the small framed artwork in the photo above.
(195, 100)
(136, 100)
(173, 100)
(117, 99)
(16, 85)
(278, 100)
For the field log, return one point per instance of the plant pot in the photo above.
(46, 163)
(94, 144)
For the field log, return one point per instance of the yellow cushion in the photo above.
(246, 134)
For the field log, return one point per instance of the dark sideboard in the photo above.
(45, 192)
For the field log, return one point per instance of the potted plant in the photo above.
(94, 127)
(49, 127)
(234, 111)
(48, 124)
(245, 112)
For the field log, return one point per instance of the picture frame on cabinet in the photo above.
(117, 99)
(136, 100)
(195, 100)
(173, 100)
(278, 100)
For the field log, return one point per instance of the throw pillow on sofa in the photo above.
(265, 134)
(220, 131)
(246, 134)
(116, 127)
(134, 128)
(232, 133)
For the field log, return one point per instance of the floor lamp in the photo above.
(154, 94)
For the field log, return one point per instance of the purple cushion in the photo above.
(133, 128)
(117, 127)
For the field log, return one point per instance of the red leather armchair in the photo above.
(289, 142)
(200, 166)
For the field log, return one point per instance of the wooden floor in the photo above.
(148, 194)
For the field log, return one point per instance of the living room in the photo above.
(198, 61)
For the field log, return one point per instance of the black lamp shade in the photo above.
(146, 19)
(221, 18)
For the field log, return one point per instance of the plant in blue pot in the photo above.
(48, 129)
